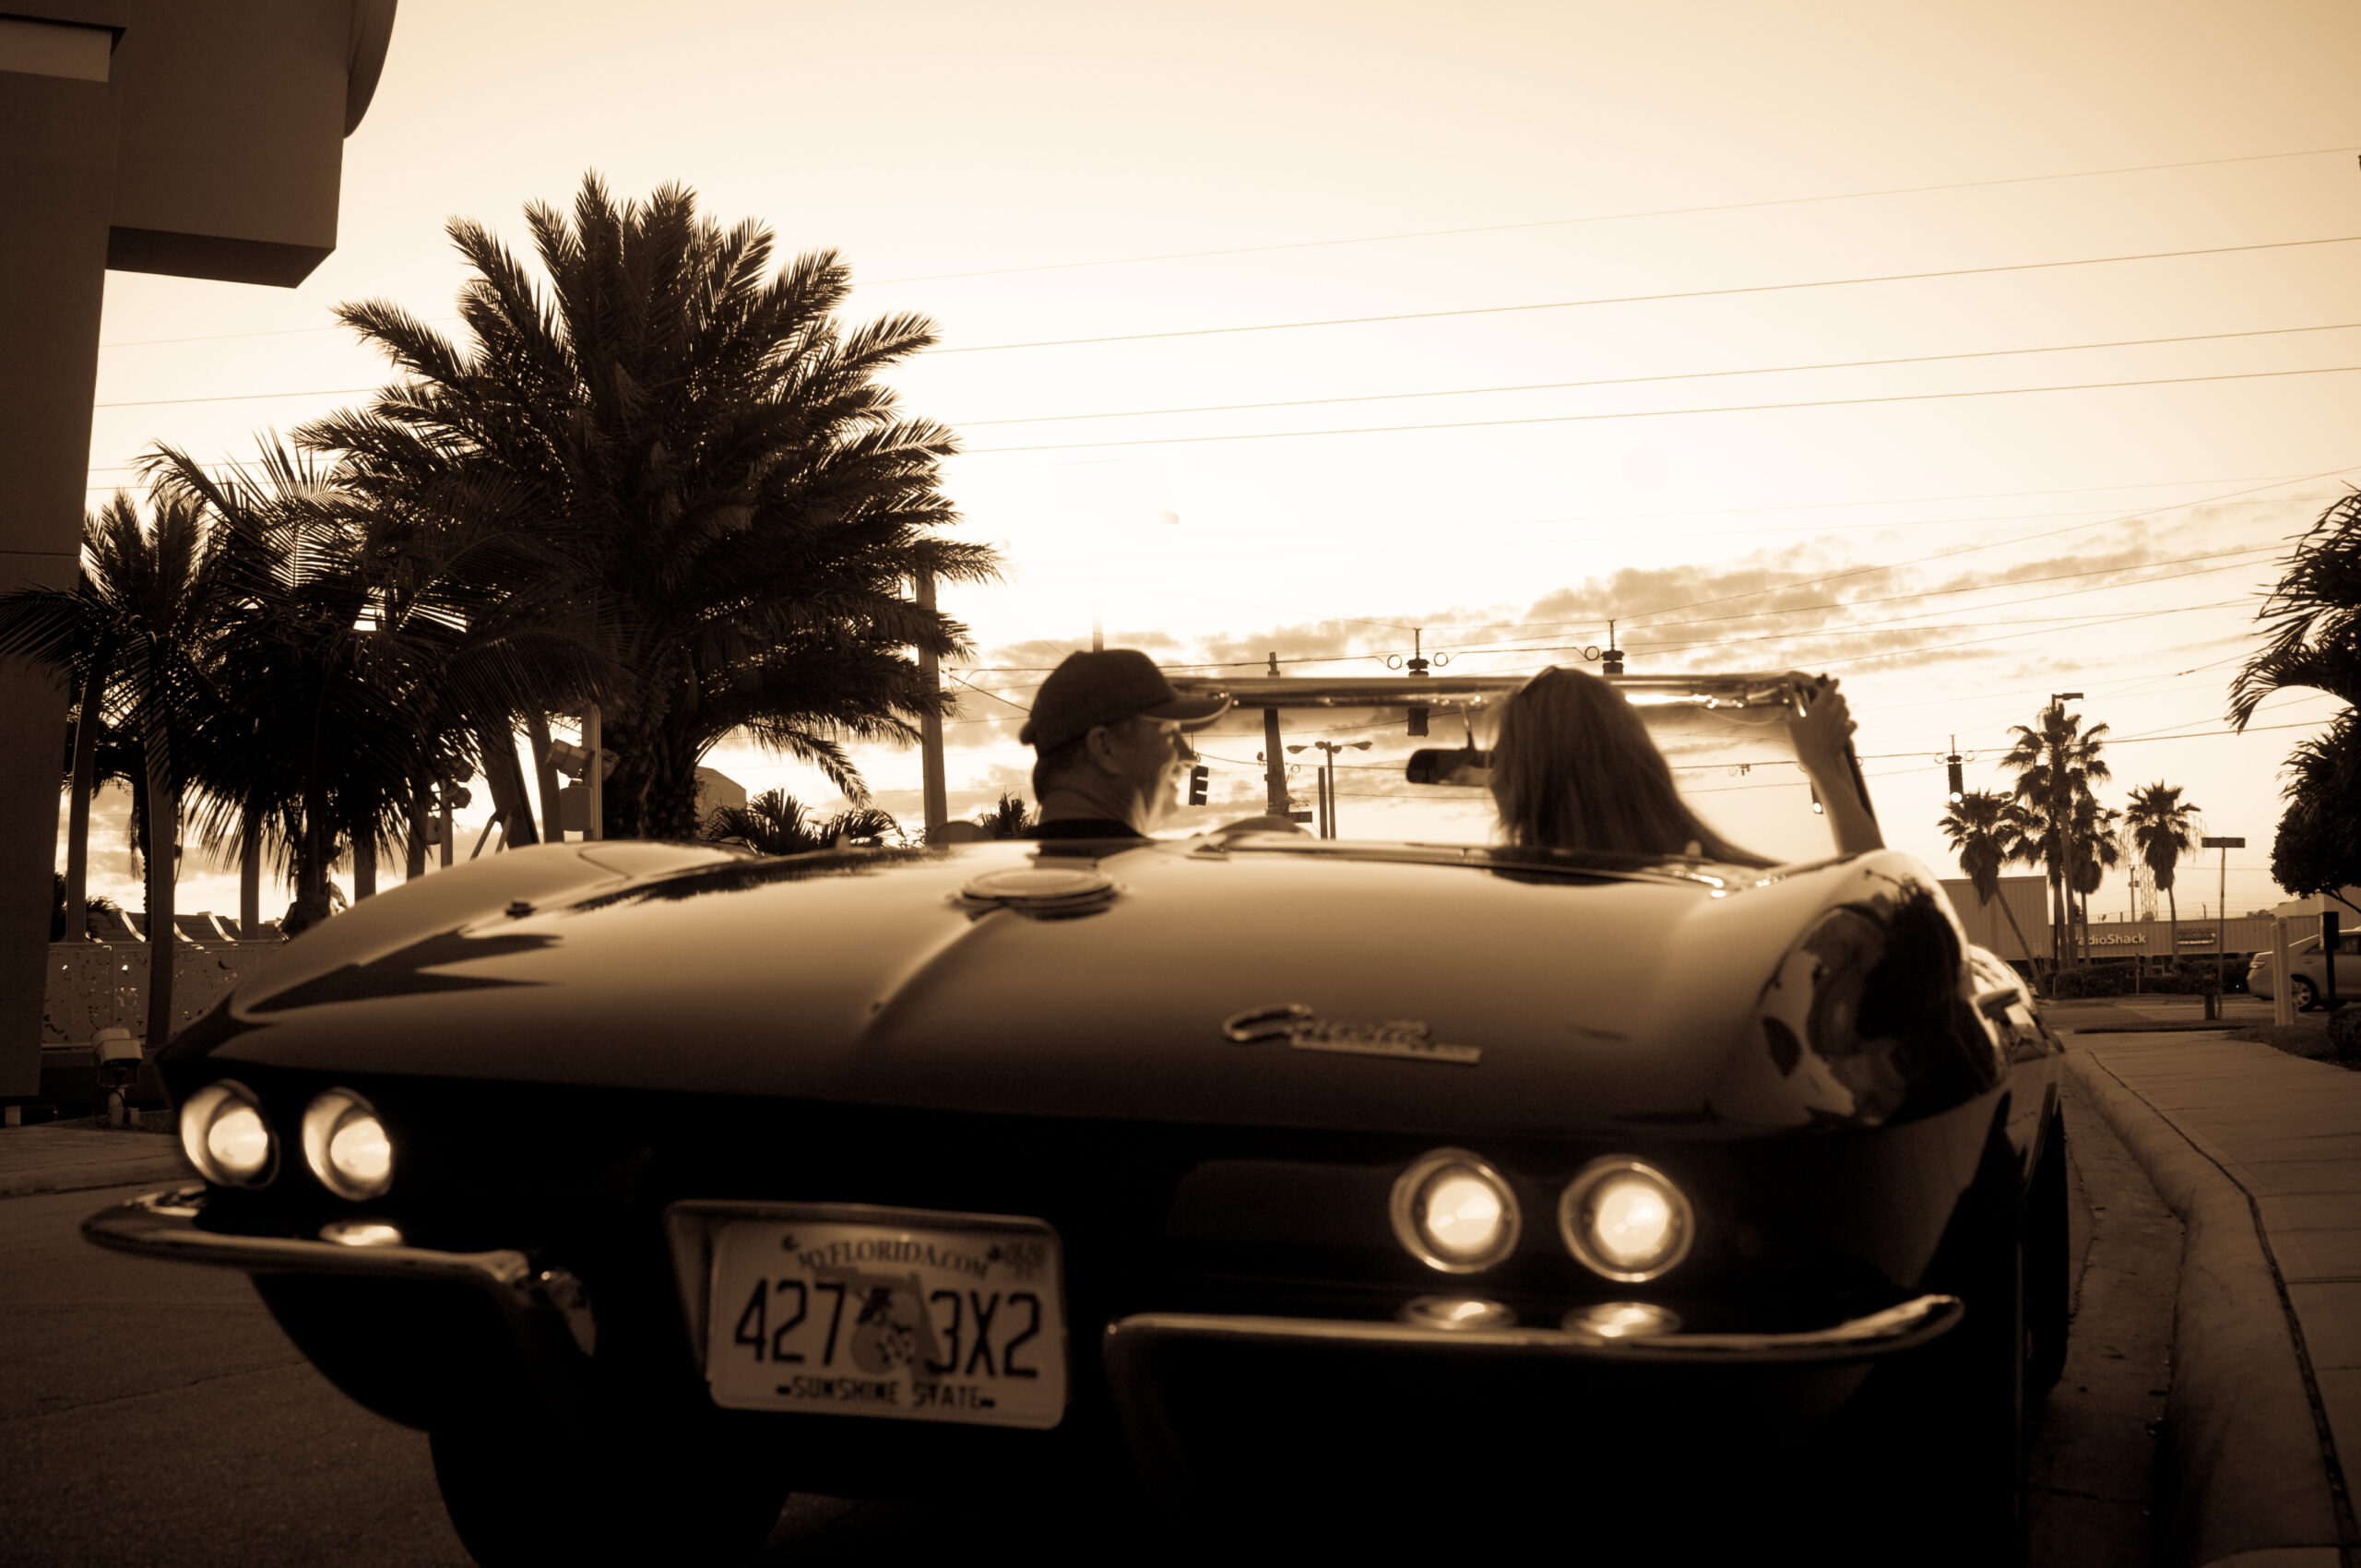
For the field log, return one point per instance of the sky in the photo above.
(1968, 353)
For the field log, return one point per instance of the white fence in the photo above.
(97, 985)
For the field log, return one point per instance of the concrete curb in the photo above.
(2250, 1484)
(163, 1168)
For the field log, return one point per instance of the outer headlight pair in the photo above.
(1622, 1217)
(229, 1141)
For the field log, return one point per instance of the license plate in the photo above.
(912, 1317)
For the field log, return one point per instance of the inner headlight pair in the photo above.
(229, 1141)
(1622, 1217)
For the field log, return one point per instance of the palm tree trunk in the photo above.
(250, 879)
(506, 779)
(537, 735)
(2057, 921)
(2172, 913)
(364, 864)
(78, 812)
(414, 851)
(164, 829)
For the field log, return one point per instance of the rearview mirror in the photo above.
(1437, 764)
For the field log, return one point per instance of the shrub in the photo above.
(2345, 1034)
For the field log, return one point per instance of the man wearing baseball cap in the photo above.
(1110, 735)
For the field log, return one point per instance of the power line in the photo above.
(1656, 414)
(1640, 380)
(1443, 392)
(1428, 233)
(1615, 217)
(1652, 299)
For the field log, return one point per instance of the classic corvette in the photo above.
(1256, 1171)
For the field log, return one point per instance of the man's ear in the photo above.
(1098, 745)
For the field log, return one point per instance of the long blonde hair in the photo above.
(1574, 769)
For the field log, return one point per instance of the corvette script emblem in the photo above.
(1303, 1029)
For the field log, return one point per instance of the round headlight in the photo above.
(226, 1137)
(346, 1145)
(1454, 1212)
(1625, 1219)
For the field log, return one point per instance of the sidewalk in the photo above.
(59, 1158)
(2260, 1154)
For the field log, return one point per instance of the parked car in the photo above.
(2307, 972)
(1405, 1182)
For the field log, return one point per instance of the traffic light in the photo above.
(1199, 777)
(1959, 785)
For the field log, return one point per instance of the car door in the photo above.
(2348, 966)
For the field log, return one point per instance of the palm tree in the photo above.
(2317, 849)
(737, 506)
(775, 823)
(147, 606)
(2313, 616)
(1984, 827)
(2314, 639)
(357, 644)
(2055, 761)
(1008, 818)
(2160, 828)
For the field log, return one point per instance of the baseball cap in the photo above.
(1106, 687)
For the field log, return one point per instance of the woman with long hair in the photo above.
(1573, 767)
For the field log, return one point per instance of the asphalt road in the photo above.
(151, 1413)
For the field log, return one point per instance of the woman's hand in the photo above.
(1823, 728)
(1822, 733)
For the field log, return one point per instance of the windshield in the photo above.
(1726, 739)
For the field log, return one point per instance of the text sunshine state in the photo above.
(886, 1391)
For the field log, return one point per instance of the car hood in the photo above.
(1280, 981)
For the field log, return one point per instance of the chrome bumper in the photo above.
(546, 1309)
(1912, 1324)
(1821, 1361)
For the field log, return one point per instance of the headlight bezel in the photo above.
(1408, 1211)
(1576, 1213)
(331, 1112)
(207, 1109)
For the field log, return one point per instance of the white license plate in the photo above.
(910, 1316)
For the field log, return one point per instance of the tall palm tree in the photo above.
(149, 596)
(2317, 849)
(355, 646)
(2160, 828)
(1983, 828)
(2055, 761)
(740, 506)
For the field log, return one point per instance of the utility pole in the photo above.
(1327, 777)
(937, 800)
(1274, 766)
(2222, 922)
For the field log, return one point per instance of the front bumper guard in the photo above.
(1133, 1344)
(546, 1310)
(548, 1313)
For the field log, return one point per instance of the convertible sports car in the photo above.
(1266, 1174)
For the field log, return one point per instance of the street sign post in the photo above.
(2222, 926)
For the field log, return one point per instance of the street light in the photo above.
(1325, 778)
